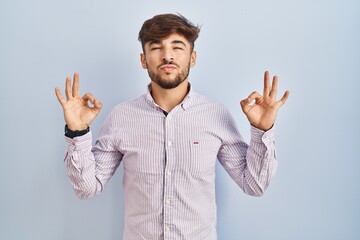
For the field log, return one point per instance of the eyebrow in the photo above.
(173, 42)
(178, 42)
(154, 42)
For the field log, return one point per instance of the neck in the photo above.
(167, 99)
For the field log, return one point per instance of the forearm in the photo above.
(251, 166)
(81, 167)
(261, 162)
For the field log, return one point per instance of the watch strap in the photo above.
(71, 134)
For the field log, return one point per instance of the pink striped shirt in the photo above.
(169, 164)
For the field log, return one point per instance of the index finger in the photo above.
(75, 87)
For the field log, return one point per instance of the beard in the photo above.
(170, 83)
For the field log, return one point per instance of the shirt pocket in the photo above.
(203, 156)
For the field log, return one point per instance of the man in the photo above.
(169, 140)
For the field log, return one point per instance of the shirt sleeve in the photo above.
(251, 166)
(89, 169)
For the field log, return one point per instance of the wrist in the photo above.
(76, 133)
(262, 128)
(74, 128)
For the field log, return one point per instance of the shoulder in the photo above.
(128, 109)
(208, 103)
(129, 104)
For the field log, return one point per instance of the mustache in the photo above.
(166, 62)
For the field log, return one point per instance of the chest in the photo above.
(186, 144)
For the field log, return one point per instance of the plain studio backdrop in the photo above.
(313, 46)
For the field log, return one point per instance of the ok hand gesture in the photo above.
(262, 113)
(77, 112)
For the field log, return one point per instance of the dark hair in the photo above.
(161, 26)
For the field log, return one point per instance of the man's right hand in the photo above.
(77, 112)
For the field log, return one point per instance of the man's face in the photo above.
(168, 61)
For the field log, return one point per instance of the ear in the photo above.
(143, 60)
(193, 59)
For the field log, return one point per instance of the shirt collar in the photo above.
(185, 104)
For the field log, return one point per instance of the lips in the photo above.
(168, 67)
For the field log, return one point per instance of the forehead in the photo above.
(173, 38)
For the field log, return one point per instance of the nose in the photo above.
(167, 55)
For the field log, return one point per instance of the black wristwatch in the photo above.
(77, 133)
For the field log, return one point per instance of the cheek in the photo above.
(151, 65)
(187, 61)
(152, 61)
(184, 59)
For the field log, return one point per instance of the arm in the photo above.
(253, 166)
(88, 170)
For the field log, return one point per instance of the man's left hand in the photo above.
(262, 113)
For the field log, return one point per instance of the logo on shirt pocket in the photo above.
(202, 157)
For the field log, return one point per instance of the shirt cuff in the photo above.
(260, 136)
(80, 142)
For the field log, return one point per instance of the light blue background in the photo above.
(313, 46)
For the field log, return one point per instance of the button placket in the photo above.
(169, 175)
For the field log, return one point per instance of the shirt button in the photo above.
(169, 173)
(167, 202)
(167, 228)
(169, 143)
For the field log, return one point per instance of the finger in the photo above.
(75, 87)
(88, 97)
(253, 95)
(274, 87)
(68, 88)
(249, 99)
(283, 99)
(266, 84)
(97, 105)
(244, 105)
(59, 96)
